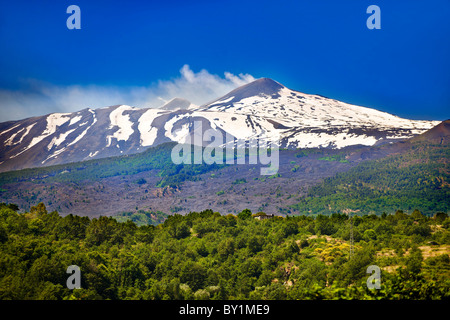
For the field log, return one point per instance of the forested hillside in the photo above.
(150, 181)
(157, 158)
(416, 179)
(205, 255)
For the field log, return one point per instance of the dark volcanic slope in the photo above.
(93, 190)
(438, 134)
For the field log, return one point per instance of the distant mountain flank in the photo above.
(410, 174)
(438, 134)
(178, 104)
(262, 108)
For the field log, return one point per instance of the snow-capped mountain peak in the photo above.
(262, 88)
(263, 107)
(267, 98)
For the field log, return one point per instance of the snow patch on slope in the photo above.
(12, 128)
(118, 119)
(235, 124)
(54, 154)
(85, 130)
(93, 154)
(147, 132)
(179, 135)
(295, 109)
(10, 141)
(56, 141)
(74, 120)
(54, 120)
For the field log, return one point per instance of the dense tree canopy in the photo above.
(417, 179)
(205, 255)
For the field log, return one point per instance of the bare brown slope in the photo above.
(438, 134)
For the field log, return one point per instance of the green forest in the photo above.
(417, 179)
(156, 158)
(206, 255)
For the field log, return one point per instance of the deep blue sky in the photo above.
(321, 47)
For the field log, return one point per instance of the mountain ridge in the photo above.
(262, 108)
(178, 103)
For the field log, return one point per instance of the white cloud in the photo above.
(200, 87)
(41, 98)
